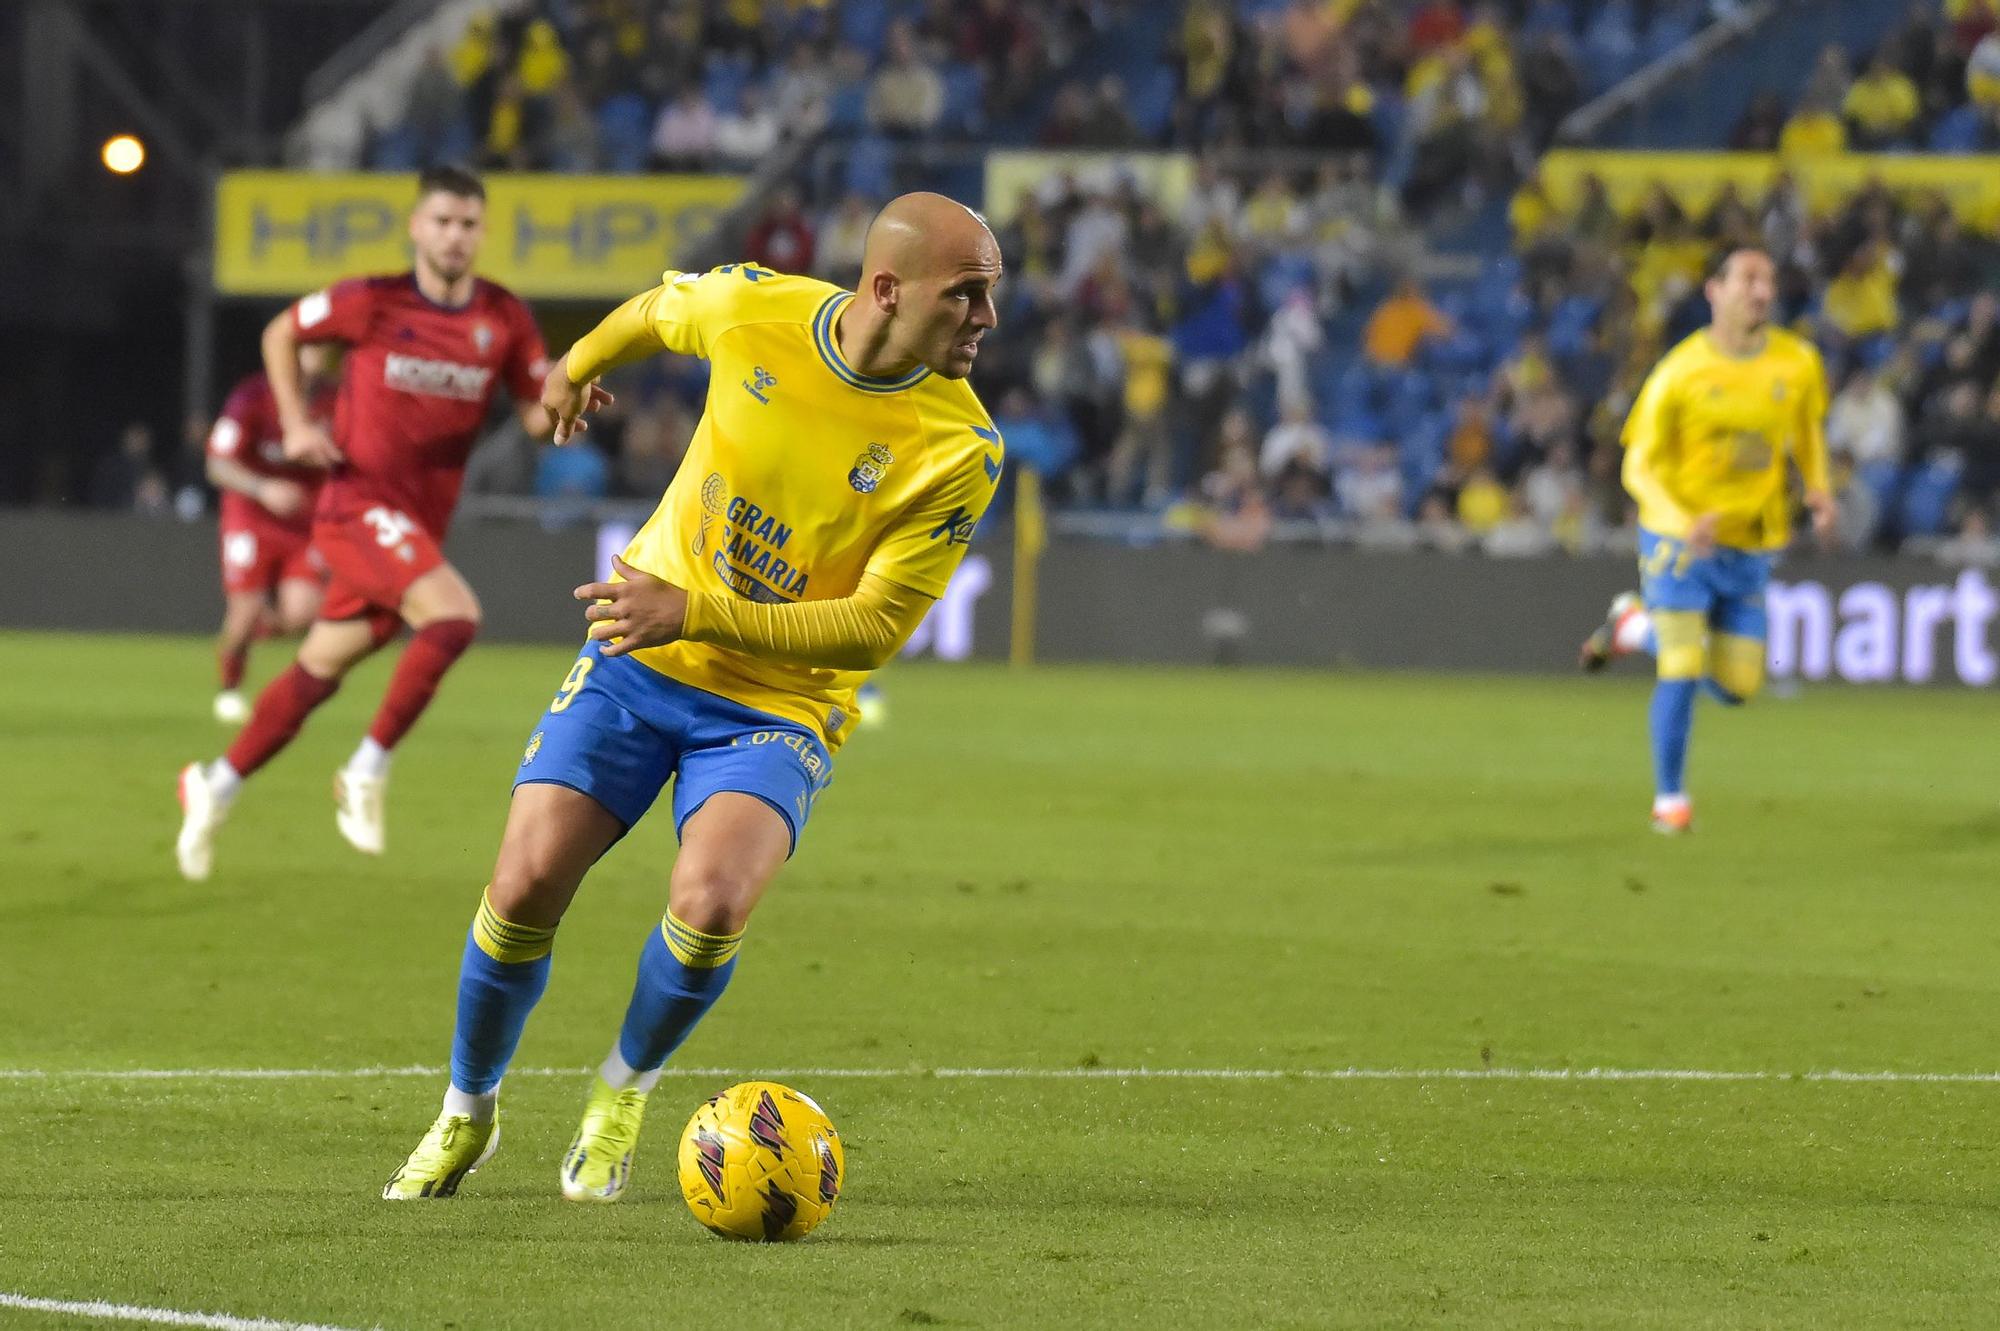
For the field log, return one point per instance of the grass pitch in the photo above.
(1052, 876)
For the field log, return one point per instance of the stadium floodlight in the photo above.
(123, 154)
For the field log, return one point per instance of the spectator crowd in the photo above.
(1242, 353)
(1932, 85)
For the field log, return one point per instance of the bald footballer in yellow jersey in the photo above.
(1709, 449)
(840, 468)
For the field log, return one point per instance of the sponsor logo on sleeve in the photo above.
(957, 528)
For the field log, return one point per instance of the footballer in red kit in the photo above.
(271, 576)
(426, 353)
(419, 380)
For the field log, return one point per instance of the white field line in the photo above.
(1049, 1074)
(126, 1312)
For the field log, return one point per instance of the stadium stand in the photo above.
(1386, 302)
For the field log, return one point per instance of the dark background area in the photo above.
(94, 268)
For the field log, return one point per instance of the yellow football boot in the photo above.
(454, 1147)
(598, 1164)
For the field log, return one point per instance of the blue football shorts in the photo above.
(618, 731)
(1726, 587)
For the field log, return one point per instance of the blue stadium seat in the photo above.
(1152, 101)
(1610, 45)
(1359, 425)
(1412, 396)
(1463, 353)
(871, 168)
(1388, 115)
(1502, 315)
(865, 26)
(1570, 326)
(1281, 275)
(1473, 383)
(460, 142)
(1872, 353)
(1550, 18)
(1954, 312)
(1671, 28)
(395, 149)
(724, 78)
(1453, 300)
(1354, 390)
(847, 108)
(964, 99)
(1958, 132)
(624, 130)
(1420, 455)
(1884, 480)
(577, 473)
(1926, 508)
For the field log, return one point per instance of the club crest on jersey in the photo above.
(482, 338)
(869, 468)
(534, 747)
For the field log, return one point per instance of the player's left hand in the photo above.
(641, 611)
(568, 404)
(1825, 514)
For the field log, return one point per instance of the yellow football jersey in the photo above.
(1711, 433)
(804, 474)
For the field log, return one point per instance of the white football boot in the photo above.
(358, 810)
(203, 811)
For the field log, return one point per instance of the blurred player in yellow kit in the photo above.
(840, 467)
(1708, 451)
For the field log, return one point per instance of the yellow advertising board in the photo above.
(279, 233)
(1164, 177)
(1695, 179)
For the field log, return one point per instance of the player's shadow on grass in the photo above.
(1981, 830)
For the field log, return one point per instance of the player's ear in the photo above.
(885, 290)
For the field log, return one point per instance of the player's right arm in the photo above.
(236, 424)
(337, 314)
(1648, 433)
(1810, 450)
(907, 570)
(682, 314)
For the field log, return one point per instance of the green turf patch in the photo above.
(1070, 869)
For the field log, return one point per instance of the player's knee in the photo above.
(240, 613)
(530, 889)
(713, 898)
(1683, 644)
(1738, 667)
(1687, 661)
(441, 595)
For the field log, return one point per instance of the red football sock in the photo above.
(232, 663)
(431, 652)
(281, 709)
